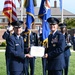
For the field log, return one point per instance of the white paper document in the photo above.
(37, 51)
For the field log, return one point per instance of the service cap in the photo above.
(52, 21)
(17, 24)
(62, 25)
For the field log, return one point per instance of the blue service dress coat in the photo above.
(56, 45)
(25, 35)
(67, 52)
(16, 47)
(67, 48)
(6, 36)
(33, 42)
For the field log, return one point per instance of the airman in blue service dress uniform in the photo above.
(67, 52)
(6, 36)
(44, 63)
(16, 47)
(56, 45)
(25, 35)
(33, 42)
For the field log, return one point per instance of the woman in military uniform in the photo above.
(67, 52)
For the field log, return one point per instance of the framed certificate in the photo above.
(37, 51)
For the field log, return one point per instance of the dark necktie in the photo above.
(19, 39)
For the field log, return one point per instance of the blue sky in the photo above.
(67, 4)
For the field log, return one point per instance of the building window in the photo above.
(6, 20)
(3, 20)
(37, 27)
(39, 20)
(0, 20)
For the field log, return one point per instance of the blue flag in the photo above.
(30, 14)
(60, 1)
(44, 14)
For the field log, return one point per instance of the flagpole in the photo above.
(21, 11)
(62, 13)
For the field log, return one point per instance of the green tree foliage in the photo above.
(70, 22)
(3, 44)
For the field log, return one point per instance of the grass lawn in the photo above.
(38, 65)
(72, 64)
(2, 64)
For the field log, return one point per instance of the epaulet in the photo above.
(45, 42)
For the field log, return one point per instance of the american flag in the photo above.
(9, 10)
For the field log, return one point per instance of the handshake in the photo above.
(27, 54)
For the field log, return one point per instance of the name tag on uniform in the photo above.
(16, 44)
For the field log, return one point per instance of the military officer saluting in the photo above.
(6, 36)
(56, 45)
(16, 48)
